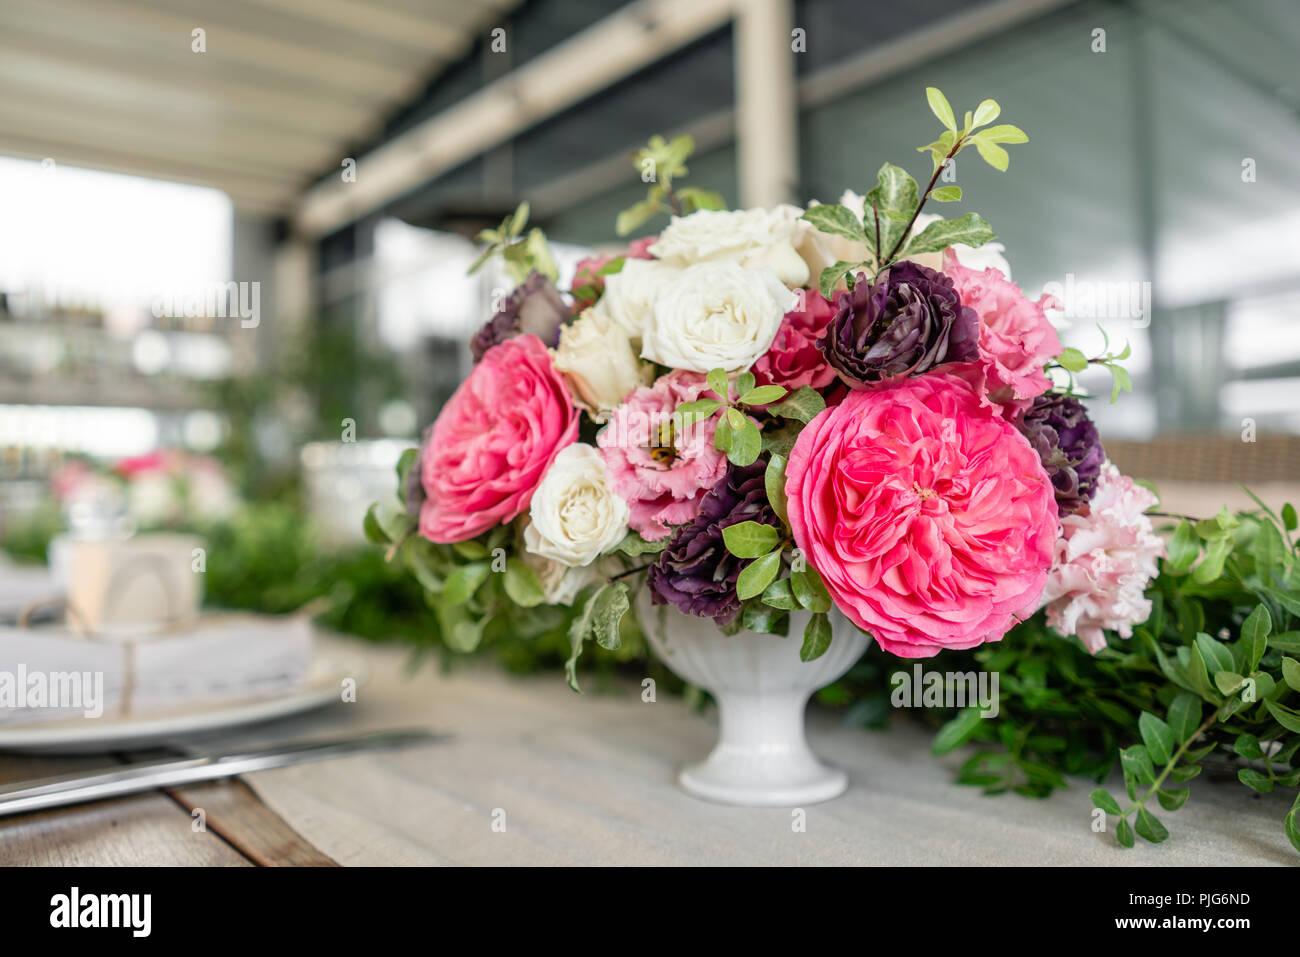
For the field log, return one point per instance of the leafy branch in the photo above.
(895, 202)
(736, 435)
(521, 254)
(661, 163)
(1073, 361)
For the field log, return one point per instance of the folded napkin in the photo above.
(51, 673)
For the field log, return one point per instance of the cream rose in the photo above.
(630, 294)
(574, 515)
(715, 315)
(596, 356)
(757, 238)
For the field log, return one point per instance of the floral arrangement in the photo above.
(845, 407)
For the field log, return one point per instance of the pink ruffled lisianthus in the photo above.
(659, 467)
(793, 360)
(928, 515)
(494, 440)
(1015, 340)
(1105, 558)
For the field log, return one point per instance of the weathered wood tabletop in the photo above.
(535, 774)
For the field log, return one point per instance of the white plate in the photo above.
(112, 734)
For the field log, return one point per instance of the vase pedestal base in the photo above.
(731, 781)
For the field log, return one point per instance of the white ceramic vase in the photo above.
(762, 758)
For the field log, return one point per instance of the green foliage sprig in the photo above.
(1073, 361)
(520, 253)
(889, 210)
(736, 435)
(661, 163)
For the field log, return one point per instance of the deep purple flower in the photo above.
(534, 307)
(695, 573)
(1058, 428)
(905, 323)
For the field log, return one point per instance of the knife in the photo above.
(167, 773)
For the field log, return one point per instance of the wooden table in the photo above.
(535, 774)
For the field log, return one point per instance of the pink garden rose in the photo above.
(928, 515)
(494, 440)
(1105, 558)
(661, 469)
(793, 360)
(1015, 340)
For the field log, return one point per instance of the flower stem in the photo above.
(956, 148)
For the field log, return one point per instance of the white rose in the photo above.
(575, 515)
(597, 358)
(630, 294)
(715, 315)
(758, 238)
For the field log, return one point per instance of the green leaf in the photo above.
(985, 113)
(1283, 715)
(1291, 673)
(1101, 798)
(722, 436)
(474, 551)
(1292, 829)
(1184, 547)
(1172, 800)
(1136, 763)
(522, 585)
(763, 395)
(1003, 133)
(1286, 641)
(896, 199)
(1255, 780)
(1229, 682)
(991, 153)
(804, 404)
(611, 605)
(946, 194)
(1247, 745)
(1254, 636)
(694, 197)
(633, 544)
(750, 539)
(1158, 738)
(1150, 828)
(635, 216)
(779, 595)
(746, 443)
(461, 584)
(810, 590)
(957, 731)
(1072, 359)
(830, 277)
(1124, 833)
(836, 220)
(774, 484)
(1120, 381)
(1184, 716)
(1289, 517)
(1211, 567)
(374, 531)
(407, 459)
(717, 379)
(1217, 656)
(757, 575)
(816, 638)
(940, 107)
(971, 229)
(698, 410)
(765, 620)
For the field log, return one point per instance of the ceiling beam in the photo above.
(613, 48)
(427, 34)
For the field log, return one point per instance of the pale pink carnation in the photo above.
(928, 515)
(662, 483)
(1105, 557)
(1016, 339)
